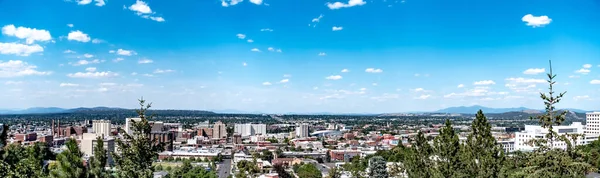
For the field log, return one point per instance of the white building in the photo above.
(250, 129)
(129, 124)
(537, 132)
(101, 127)
(592, 120)
(89, 141)
(302, 131)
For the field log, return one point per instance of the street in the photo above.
(224, 168)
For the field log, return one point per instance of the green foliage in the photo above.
(266, 155)
(356, 167)
(69, 162)
(481, 154)
(186, 170)
(308, 171)
(247, 168)
(334, 172)
(281, 171)
(137, 151)
(447, 148)
(418, 162)
(98, 162)
(377, 167)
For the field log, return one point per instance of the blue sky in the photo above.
(344, 56)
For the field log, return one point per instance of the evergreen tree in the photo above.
(481, 153)
(377, 167)
(419, 161)
(447, 149)
(98, 162)
(334, 173)
(309, 171)
(136, 152)
(281, 171)
(546, 161)
(69, 162)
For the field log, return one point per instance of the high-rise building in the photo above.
(302, 131)
(250, 129)
(129, 124)
(592, 124)
(101, 128)
(89, 141)
(522, 139)
(219, 130)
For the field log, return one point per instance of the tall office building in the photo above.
(219, 130)
(101, 127)
(302, 131)
(89, 141)
(592, 124)
(250, 129)
(129, 124)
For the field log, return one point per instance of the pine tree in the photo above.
(418, 162)
(377, 167)
(98, 162)
(481, 153)
(136, 152)
(334, 173)
(69, 162)
(447, 148)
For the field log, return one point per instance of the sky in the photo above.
(279, 56)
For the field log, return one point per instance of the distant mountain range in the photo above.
(450, 110)
(475, 108)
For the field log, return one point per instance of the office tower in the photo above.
(101, 128)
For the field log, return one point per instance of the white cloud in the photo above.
(587, 66)
(287, 75)
(107, 84)
(278, 50)
(140, 7)
(160, 71)
(484, 82)
(334, 77)
(29, 34)
(534, 71)
(85, 62)
(373, 70)
(227, 3)
(241, 36)
(106, 74)
(68, 85)
(334, 28)
(96, 41)
(145, 61)
(244, 64)
(86, 55)
(257, 2)
(250, 41)
(536, 21)
(418, 89)
(123, 52)
(338, 5)
(424, 97)
(103, 89)
(111, 51)
(584, 97)
(374, 84)
(284, 81)
(271, 49)
(17, 68)
(595, 82)
(13, 82)
(83, 2)
(460, 86)
(100, 3)
(19, 49)
(90, 69)
(266, 30)
(255, 50)
(318, 18)
(266, 83)
(158, 19)
(322, 54)
(345, 70)
(78, 36)
(70, 25)
(525, 80)
(573, 76)
(118, 59)
(134, 73)
(68, 51)
(583, 71)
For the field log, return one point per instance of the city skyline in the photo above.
(351, 56)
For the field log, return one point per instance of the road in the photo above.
(224, 168)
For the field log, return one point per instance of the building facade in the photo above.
(219, 130)
(250, 129)
(592, 124)
(523, 138)
(302, 130)
(89, 141)
(101, 127)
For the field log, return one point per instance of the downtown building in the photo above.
(250, 129)
(302, 130)
(590, 133)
